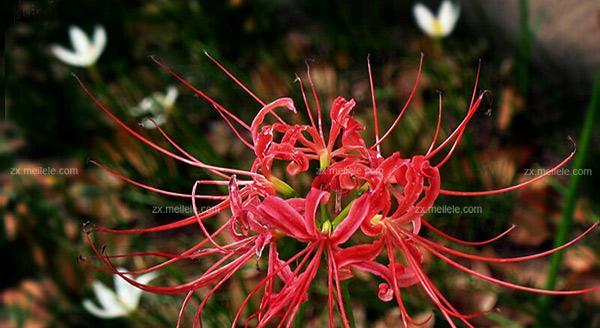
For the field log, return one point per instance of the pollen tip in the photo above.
(88, 227)
(81, 258)
(573, 142)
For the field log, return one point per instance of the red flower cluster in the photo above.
(362, 212)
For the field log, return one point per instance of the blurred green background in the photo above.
(537, 61)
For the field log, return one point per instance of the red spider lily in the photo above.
(357, 191)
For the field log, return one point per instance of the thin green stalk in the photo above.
(347, 304)
(570, 201)
(300, 315)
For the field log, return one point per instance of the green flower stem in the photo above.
(347, 304)
(570, 201)
(99, 82)
(95, 74)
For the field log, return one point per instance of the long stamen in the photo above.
(267, 318)
(397, 294)
(186, 300)
(198, 92)
(426, 284)
(460, 128)
(459, 137)
(235, 131)
(298, 299)
(317, 102)
(236, 80)
(515, 187)
(499, 260)
(307, 106)
(507, 284)
(197, 283)
(173, 143)
(199, 219)
(178, 224)
(408, 100)
(155, 146)
(188, 254)
(330, 292)
(336, 279)
(198, 316)
(438, 125)
(464, 242)
(471, 105)
(375, 119)
(437, 297)
(308, 250)
(476, 83)
(157, 190)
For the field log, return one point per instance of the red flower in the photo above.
(356, 191)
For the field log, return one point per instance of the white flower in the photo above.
(85, 51)
(437, 26)
(120, 303)
(155, 107)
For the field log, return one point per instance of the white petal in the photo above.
(94, 309)
(149, 105)
(159, 119)
(448, 16)
(170, 97)
(147, 277)
(126, 292)
(424, 18)
(107, 298)
(79, 40)
(136, 111)
(99, 41)
(69, 57)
